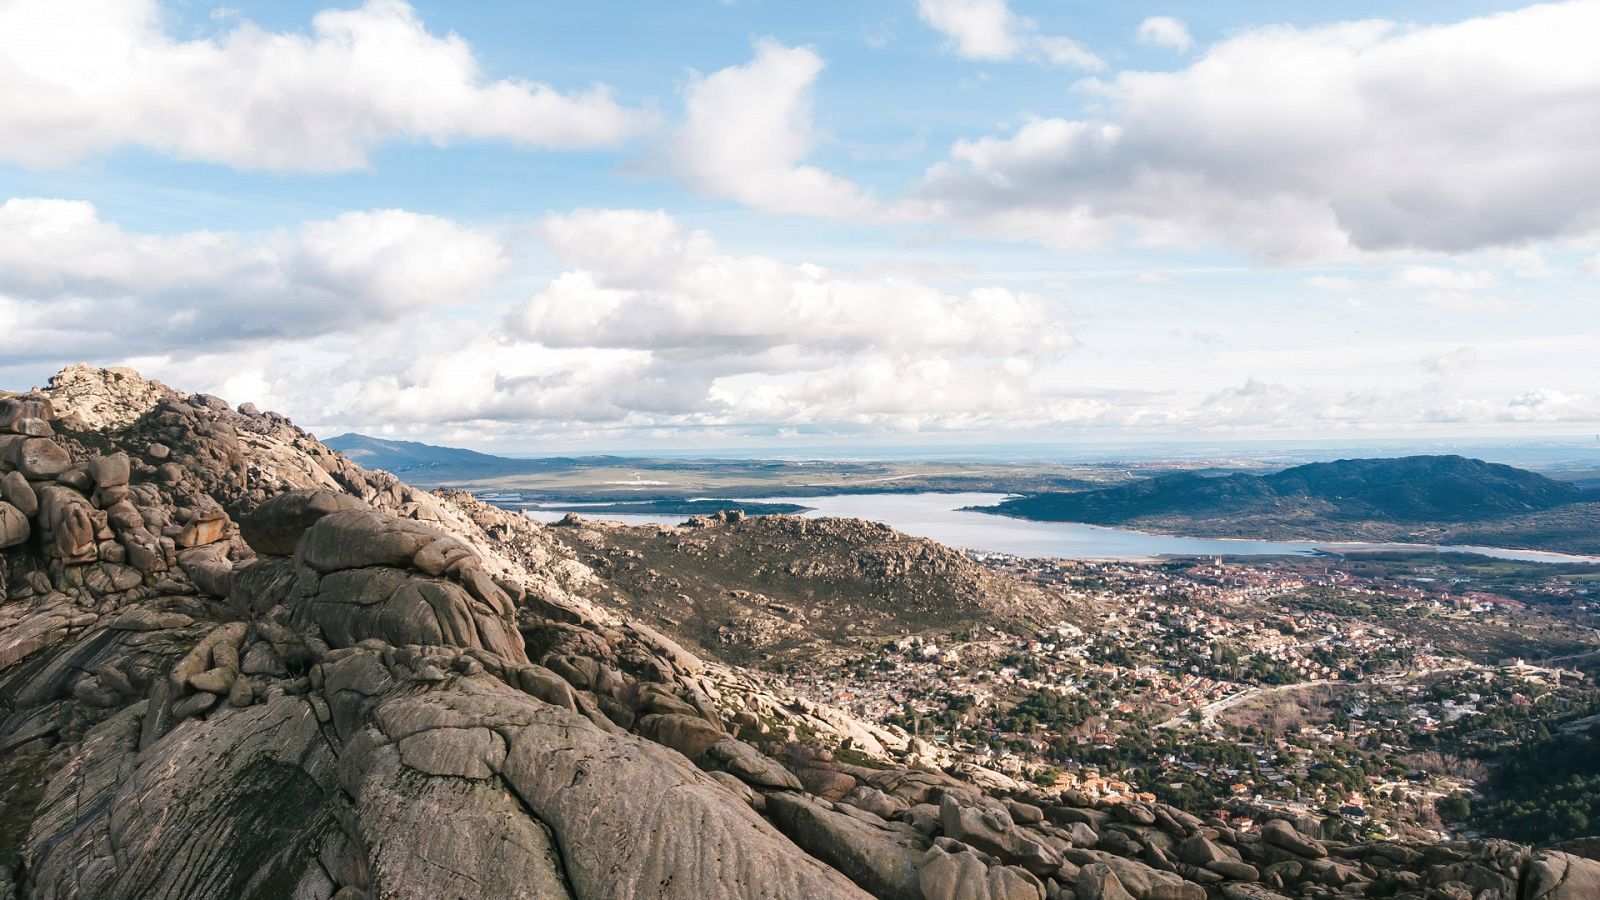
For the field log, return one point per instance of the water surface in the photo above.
(941, 518)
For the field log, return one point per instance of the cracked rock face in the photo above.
(239, 665)
(234, 664)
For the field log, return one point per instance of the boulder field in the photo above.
(235, 664)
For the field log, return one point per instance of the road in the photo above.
(1210, 710)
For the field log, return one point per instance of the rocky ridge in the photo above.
(775, 589)
(234, 664)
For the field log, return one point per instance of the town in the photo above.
(1363, 690)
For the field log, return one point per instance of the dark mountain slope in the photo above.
(1409, 491)
(1423, 488)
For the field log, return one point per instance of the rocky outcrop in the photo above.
(1562, 876)
(233, 664)
(763, 591)
(262, 671)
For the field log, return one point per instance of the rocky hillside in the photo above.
(772, 590)
(235, 664)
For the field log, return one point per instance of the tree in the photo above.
(1454, 808)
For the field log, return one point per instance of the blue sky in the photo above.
(532, 227)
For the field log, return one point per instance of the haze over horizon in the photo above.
(734, 224)
(1534, 451)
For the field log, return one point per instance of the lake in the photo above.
(940, 517)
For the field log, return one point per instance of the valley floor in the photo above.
(1384, 690)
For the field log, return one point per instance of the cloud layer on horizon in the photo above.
(649, 327)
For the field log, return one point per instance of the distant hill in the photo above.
(426, 464)
(1412, 490)
(586, 479)
(399, 456)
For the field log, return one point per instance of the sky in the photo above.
(612, 226)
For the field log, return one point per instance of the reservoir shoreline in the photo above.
(941, 517)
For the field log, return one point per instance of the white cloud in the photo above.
(79, 77)
(643, 282)
(1523, 262)
(654, 326)
(1444, 279)
(748, 130)
(388, 318)
(981, 29)
(458, 378)
(484, 378)
(1259, 405)
(66, 273)
(989, 30)
(367, 319)
(1549, 405)
(1255, 402)
(1152, 278)
(1451, 364)
(1452, 289)
(1338, 284)
(1319, 143)
(1165, 31)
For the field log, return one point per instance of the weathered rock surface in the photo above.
(34, 457)
(1562, 876)
(14, 527)
(15, 490)
(1280, 833)
(877, 855)
(296, 711)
